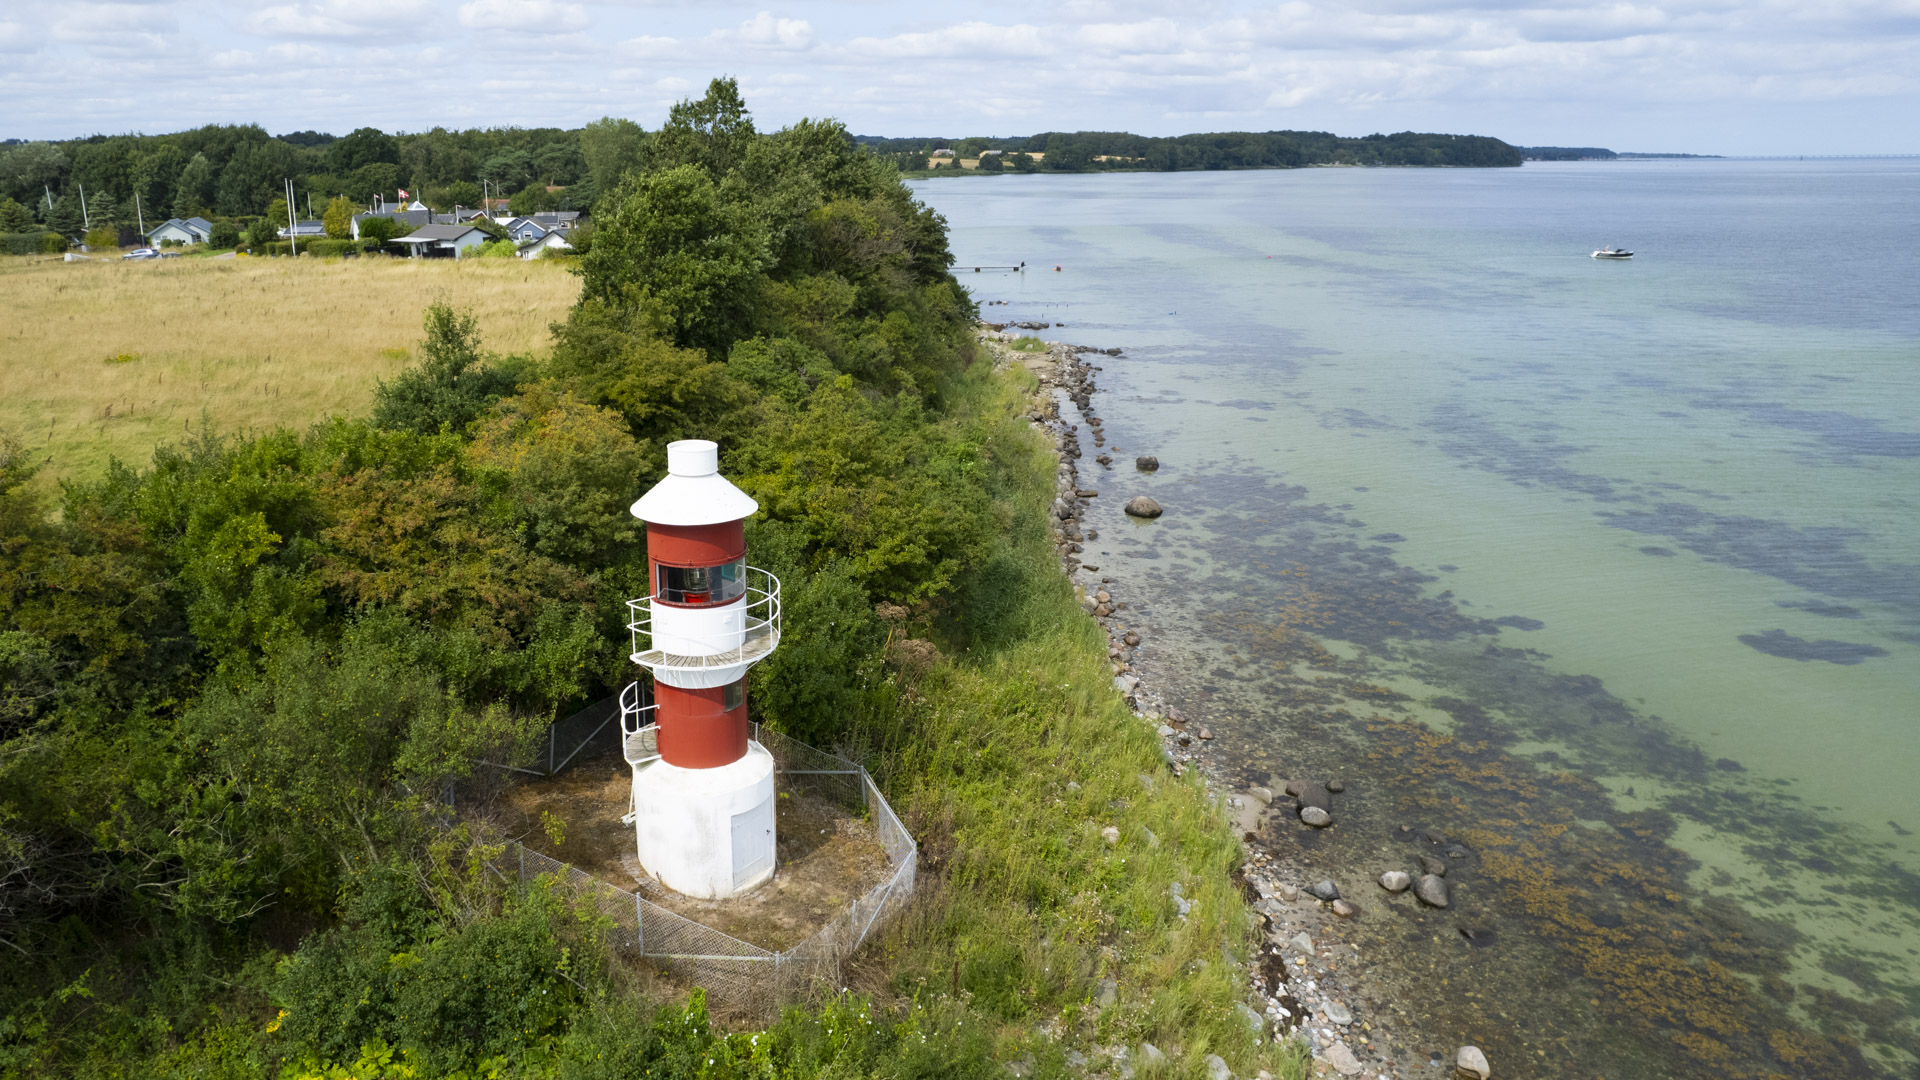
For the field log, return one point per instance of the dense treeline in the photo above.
(1083, 151)
(1566, 153)
(237, 171)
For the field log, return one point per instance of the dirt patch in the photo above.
(827, 853)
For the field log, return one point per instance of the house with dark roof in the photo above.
(407, 220)
(563, 220)
(442, 241)
(525, 230)
(193, 230)
(311, 229)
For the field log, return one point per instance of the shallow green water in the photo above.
(1396, 406)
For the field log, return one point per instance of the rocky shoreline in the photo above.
(1309, 980)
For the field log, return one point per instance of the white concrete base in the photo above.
(707, 832)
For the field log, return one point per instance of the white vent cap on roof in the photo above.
(693, 457)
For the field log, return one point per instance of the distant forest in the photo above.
(1590, 153)
(1087, 151)
(235, 172)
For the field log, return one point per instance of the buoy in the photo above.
(1056, 269)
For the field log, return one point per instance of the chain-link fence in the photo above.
(739, 976)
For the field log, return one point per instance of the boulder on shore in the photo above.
(1471, 1064)
(1142, 507)
(1395, 881)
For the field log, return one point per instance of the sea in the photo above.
(1599, 580)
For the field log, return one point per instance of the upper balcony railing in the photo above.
(672, 636)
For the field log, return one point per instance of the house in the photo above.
(408, 220)
(525, 230)
(942, 152)
(443, 241)
(193, 230)
(313, 229)
(552, 241)
(561, 220)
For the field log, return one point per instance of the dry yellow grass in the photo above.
(251, 343)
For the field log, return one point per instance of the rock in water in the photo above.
(1325, 890)
(1336, 786)
(1431, 889)
(1395, 881)
(1263, 795)
(1311, 793)
(1142, 507)
(1338, 1013)
(1315, 817)
(1301, 944)
(1342, 1059)
(1344, 909)
(1469, 1062)
(1146, 463)
(1433, 864)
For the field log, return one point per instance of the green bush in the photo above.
(329, 248)
(104, 238)
(225, 234)
(32, 243)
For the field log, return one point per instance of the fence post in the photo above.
(639, 924)
(523, 863)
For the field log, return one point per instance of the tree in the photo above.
(103, 209)
(676, 246)
(365, 146)
(224, 234)
(65, 218)
(193, 189)
(13, 216)
(713, 133)
(379, 229)
(451, 386)
(27, 169)
(509, 171)
(339, 217)
(611, 147)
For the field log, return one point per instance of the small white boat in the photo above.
(1611, 252)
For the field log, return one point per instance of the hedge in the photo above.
(32, 243)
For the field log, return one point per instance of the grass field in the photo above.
(107, 359)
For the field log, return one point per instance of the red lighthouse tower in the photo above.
(703, 803)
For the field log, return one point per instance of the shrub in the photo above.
(225, 234)
(330, 248)
(29, 243)
(104, 237)
(494, 249)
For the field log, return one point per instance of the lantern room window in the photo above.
(734, 696)
(701, 586)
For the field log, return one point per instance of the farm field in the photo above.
(103, 359)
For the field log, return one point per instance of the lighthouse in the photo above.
(703, 794)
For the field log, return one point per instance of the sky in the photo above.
(1699, 76)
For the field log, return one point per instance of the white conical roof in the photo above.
(694, 492)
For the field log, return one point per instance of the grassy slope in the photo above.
(1024, 905)
(254, 343)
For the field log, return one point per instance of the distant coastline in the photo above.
(1120, 151)
(1594, 153)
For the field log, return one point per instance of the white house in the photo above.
(193, 230)
(552, 241)
(443, 241)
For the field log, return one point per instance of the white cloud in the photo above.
(341, 19)
(764, 29)
(523, 16)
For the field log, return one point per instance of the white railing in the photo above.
(747, 633)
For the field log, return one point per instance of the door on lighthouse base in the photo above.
(752, 843)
